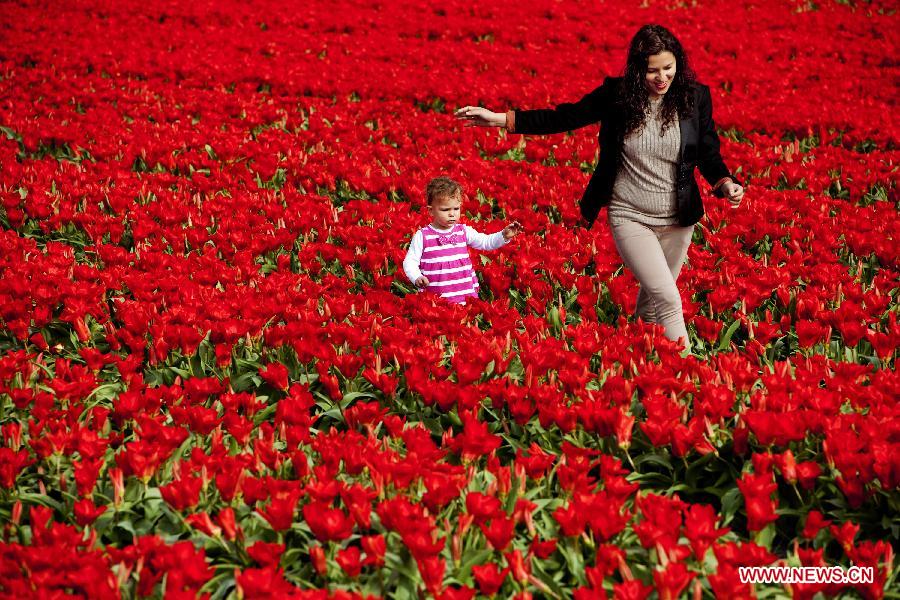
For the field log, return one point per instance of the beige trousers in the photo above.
(655, 255)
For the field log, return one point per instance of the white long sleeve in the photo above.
(414, 257)
(484, 241)
(475, 239)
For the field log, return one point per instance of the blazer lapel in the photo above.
(688, 134)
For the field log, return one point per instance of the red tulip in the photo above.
(757, 491)
(266, 554)
(571, 520)
(661, 523)
(117, 480)
(671, 581)
(326, 523)
(457, 593)
(375, 548)
(807, 473)
(536, 463)
(489, 578)
(810, 333)
(349, 560)
(261, 583)
(519, 566)
(543, 549)
(182, 493)
(631, 590)
(815, 521)
(499, 532)
(700, 528)
(11, 465)
(280, 510)
(482, 507)
(319, 560)
(475, 440)
(432, 571)
(227, 522)
(276, 375)
(86, 512)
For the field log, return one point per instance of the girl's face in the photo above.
(660, 73)
(445, 211)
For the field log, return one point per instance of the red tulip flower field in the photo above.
(216, 381)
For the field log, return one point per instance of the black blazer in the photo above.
(699, 146)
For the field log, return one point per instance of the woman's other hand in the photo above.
(480, 117)
(422, 282)
(733, 192)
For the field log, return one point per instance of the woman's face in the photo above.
(660, 73)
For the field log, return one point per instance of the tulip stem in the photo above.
(797, 492)
(630, 461)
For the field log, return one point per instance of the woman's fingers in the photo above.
(471, 113)
(477, 116)
(465, 114)
(735, 194)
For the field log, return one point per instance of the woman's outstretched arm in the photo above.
(592, 108)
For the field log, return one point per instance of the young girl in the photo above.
(438, 256)
(657, 128)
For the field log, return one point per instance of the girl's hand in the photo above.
(421, 282)
(512, 230)
(481, 117)
(734, 193)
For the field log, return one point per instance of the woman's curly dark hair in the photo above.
(633, 97)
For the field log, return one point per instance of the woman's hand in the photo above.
(733, 192)
(421, 282)
(480, 117)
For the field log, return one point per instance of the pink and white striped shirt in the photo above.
(443, 257)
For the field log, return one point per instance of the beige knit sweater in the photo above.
(645, 185)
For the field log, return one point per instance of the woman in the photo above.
(656, 127)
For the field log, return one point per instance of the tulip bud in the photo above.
(319, 561)
(125, 571)
(117, 479)
(38, 340)
(228, 524)
(624, 428)
(455, 543)
(788, 465)
(519, 569)
(16, 513)
(624, 569)
(81, 329)
(539, 584)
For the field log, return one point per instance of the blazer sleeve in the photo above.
(710, 162)
(592, 108)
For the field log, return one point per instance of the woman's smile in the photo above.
(661, 69)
